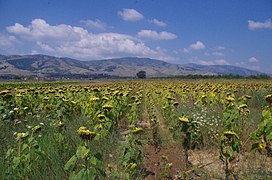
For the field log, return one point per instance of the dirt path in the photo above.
(166, 161)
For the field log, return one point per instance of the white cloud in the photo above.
(94, 24)
(149, 34)
(196, 60)
(253, 60)
(158, 22)
(45, 47)
(130, 15)
(217, 53)
(77, 42)
(253, 25)
(39, 29)
(8, 43)
(220, 48)
(196, 46)
(34, 52)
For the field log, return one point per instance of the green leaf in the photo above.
(266, 114)
(16, 162)
(98, 156)
(71, 163)
(24, 147)
(93, 160)
(91, 173)
(83, 174)
(82, 152)
(236, 148)
(269, 136)
(9, 152)
(254, 146)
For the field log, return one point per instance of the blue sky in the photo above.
(178, 31)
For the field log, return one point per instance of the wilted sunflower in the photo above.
(101, 116)
(107, 106)
(184, 119)
(137, 130)
(261, 146)
(36, 128)
(243, 107)
(230, 99)
(268, 98)
(5, 92)
(230, 134)
(93, 98)
(21, 136)
(47, 107)
(85, 134)
(245, 97)
(176, 103)
(60, 124)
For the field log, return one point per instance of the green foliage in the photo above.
(263, 133)
(131, 157)
(141, 74)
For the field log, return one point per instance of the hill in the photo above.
(50, 66)
(223, 69)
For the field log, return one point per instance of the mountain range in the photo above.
(50, 66)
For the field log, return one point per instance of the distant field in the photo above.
(136, 129)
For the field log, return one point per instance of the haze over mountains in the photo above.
(49, 66)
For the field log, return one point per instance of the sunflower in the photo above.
(184, 119)
(36, 128)
(230, 134)
(268, 98)
(21, 136)
(101, 116)
(107, 106)
(137, 130)
(261, 146)
(230, 99)
(85, 134)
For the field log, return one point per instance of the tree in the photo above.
(141, 74)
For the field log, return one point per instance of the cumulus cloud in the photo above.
(196, 46)
(253, 25)
(150, 34)
(158, 22)
(77, 42)
(209, 62)
(45, 47)
(94, 24)
(39, 29)
(253, 60)
(130, 15)
(8, 43)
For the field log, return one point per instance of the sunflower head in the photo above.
(184, 120)
(268, 98)
(137, 130)
(261, 146)
(85, 134)
(36, 128)
(230, 134)
(21, 136)
(107, 106)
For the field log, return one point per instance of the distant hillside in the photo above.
(223, 69)
(42, 65)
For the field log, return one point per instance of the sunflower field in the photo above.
(137, 129)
